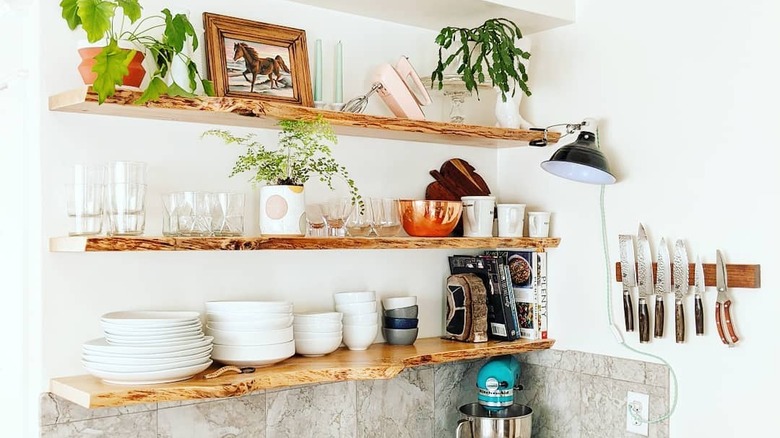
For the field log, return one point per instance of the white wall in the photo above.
(687, 96)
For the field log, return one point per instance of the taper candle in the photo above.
(318, 71)
(338, 95)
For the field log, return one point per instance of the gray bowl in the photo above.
(402, 312)
(400, 336)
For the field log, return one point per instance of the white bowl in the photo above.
(123, 368)
(354, 297)
(274, 323)
(362, 318)
(264, 337)
(317, 335)
(253, 356)
(351, 308)
(360, 337)
(398, 302)
(318, 316)
(317, 326)
(317, 329)
(317, 347)
(151, 318)
(151, 377)
(244, 316)
(249, 306)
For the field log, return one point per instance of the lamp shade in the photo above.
(581, 161)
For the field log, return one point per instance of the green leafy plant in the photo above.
(303, 152)
(490, 47)
(101, 20)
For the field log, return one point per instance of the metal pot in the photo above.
(511, 422)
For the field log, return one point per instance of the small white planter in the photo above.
(282, 211)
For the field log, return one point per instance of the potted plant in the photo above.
(116, 61)
(302, 153)
(487, 51)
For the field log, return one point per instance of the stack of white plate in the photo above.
(250, 333)
(148, 347)
(317, 334)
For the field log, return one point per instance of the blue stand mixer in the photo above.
(495, 415)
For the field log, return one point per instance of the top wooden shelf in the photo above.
(531, 15)
(264, 114)
(379, 361)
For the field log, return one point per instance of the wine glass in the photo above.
(315, 221)
(336, 211)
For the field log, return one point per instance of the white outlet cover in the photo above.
(642, 403)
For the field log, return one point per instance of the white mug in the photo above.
(538, 224)
(510, 220)
(478, 215)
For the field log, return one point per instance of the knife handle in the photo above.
(659, 316)
(679, 322)
(719, 324)
(644, 321)
(628, 311)
(699, 315)
(729, 325)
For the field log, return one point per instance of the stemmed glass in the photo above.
(336, 212)
(315, 221)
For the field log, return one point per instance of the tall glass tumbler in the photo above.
(194, 213)
(228, 214)
(125, 198)
(85, 200)
(387, 216)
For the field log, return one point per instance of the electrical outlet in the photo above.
(639, 405)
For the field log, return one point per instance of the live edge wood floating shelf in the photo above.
(379, 361)
(258, 114)
(741, 276)
(102, 243)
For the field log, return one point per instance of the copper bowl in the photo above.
(430, 218)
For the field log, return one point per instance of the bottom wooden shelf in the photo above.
(380, 361)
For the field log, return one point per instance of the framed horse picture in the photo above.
(257, 60)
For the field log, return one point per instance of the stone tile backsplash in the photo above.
(573, 395)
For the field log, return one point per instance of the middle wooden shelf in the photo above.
(143, 243)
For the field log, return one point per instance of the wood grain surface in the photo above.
(379, 361)
(233, 111)
(742, 276)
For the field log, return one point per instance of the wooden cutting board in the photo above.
(456, 178)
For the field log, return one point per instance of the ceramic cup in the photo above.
(478, 215)
(538, 223)
(511, 218)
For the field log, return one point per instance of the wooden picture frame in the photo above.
(276, 57)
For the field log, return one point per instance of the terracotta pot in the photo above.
(136, 71)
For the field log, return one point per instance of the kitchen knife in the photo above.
(628, 274)
(681, 288)
(723, 304)
(698, 283)
(663, 283)
(644, 282)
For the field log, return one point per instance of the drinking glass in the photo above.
(85, 200)
(336, 212)
(228, 214)
(171, 202)
(315, 221)
(194, 213)
(387, 216)
(125, 198)
(360, 221)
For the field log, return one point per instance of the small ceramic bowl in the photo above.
(400, 323)
(402, 312)
(400, 336)
(354, 297)
(398, 302)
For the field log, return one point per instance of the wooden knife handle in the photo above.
(699, 315)
(719, 324)
(628, 311)
(729, 324)
(679, 322)
(659, 317)
(644, 321)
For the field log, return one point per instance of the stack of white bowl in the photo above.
(317, 334)
(148, 347)
(250, 333)
(361, 320)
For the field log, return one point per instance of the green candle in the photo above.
(338, 95)
(318, 72)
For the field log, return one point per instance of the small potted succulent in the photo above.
(303, 152)
(122, 40)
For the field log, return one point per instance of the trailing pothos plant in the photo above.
(101, 21)
(490, 47)
(302, 153)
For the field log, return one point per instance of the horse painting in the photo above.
(257, 65)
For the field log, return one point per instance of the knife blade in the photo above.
(723, 304)
(681, 287)
(644, 282)
(628, 274)
(663, 283)
(698, 283)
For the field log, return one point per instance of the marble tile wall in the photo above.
(573, 395)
